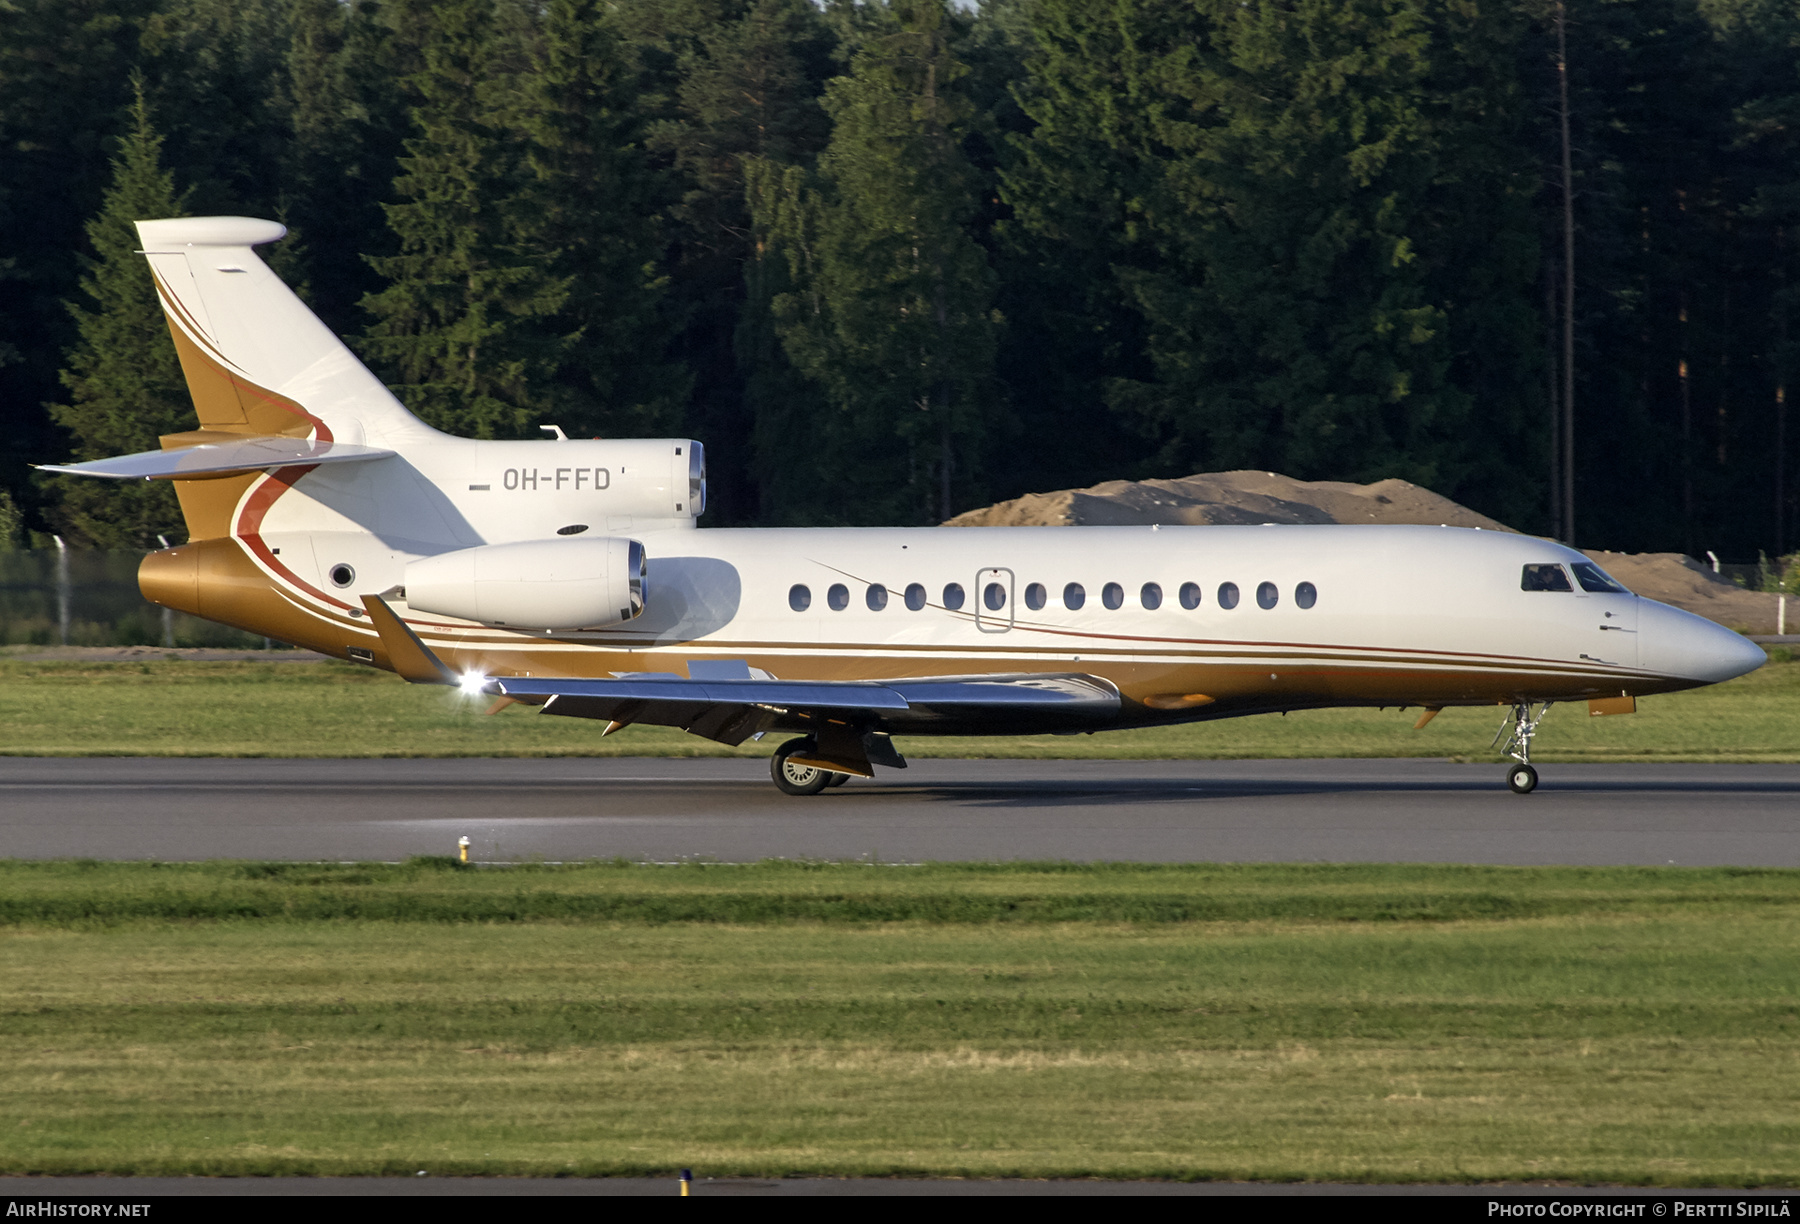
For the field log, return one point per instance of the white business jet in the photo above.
(570, 575)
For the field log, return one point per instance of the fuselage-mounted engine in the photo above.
(561, 584)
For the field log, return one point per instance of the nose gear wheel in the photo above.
(1521, 779)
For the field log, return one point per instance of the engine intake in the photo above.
(568, 583)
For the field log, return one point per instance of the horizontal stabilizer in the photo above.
(221, 459)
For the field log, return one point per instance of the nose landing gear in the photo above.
(1521, 779)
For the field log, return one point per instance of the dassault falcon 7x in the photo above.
(571, 575)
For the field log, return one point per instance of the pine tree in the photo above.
(1673, 283)
(12, 523)
(462, 325)
(124, 381)
(1267, 188)
(590, 216)
(343, 117)
(213, 77)
(1070, 170)
(891, 312)
(64, 96)
(741, 80)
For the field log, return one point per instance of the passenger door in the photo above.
(994, 600)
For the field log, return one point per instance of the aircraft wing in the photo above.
(220, 459)
(730, 711)
(723, 700)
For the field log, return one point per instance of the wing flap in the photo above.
(1055, 695)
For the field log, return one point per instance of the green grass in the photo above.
(181, 708)
(1265, 1022)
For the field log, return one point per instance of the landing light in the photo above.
(472, 683)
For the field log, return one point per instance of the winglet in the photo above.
(410, 657)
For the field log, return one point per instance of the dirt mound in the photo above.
(1218, 499)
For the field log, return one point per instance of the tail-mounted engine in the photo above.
(534, 584)
(617, 484)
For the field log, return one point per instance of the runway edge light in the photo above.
(687, 1179)
(462, 846)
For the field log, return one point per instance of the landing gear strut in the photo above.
(793, 778)
(1521, 779)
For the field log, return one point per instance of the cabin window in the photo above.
(1596, 581)
(1267, 595)
(1306, 594)
(915, 597)
(1036, 597)
(1150, 596)
(1113, 596)
(1228, 594)
(838, 597)
(953, 596)
(1074, 595)
(876, 598)
(1544, 578)
(799, 597)
(1190, 595)
(994, 596)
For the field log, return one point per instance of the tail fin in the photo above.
(257, 361)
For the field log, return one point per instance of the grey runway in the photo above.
(671, 809)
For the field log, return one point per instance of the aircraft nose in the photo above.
(1678, 643)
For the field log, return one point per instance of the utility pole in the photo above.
(1568, 303)
(1553, 377)
(1781, 357)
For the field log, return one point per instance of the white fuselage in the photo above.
(1398, 615)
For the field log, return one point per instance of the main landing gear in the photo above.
(793, 778)
(1521, 779)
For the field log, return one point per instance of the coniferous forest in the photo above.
(893, 259)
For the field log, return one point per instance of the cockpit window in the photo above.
(1544, 578)
(1596, 581)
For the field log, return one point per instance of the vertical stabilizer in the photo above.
(257, 360)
